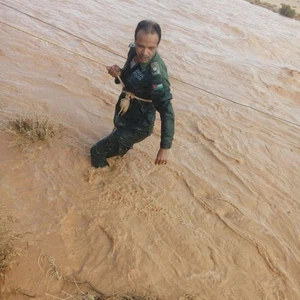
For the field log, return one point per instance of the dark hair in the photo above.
(149, 27)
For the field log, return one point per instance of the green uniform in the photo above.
(147, 81)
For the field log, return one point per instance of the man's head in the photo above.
(147, 37)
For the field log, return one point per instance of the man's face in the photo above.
(146, 45)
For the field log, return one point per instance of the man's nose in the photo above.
(146, 52)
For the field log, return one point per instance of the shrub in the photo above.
(287, 11)
(34, 127)
(32, 122)
(6, 250)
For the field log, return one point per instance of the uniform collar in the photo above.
(145, 65)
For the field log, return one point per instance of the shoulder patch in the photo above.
(157, 87)
(155, 69)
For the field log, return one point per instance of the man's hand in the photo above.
(162, 157)
(114, 71)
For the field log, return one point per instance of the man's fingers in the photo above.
(161, 162)
(113, 70)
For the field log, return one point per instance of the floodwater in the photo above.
(220, 221)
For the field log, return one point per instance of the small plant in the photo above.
(31, 122)
(35, 127)
(287, 11)
(6, 250)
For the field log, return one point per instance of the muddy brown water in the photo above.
(221, 220)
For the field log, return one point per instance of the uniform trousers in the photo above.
(116, 144)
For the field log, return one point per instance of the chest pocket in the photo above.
(136, 78)
(140, 84)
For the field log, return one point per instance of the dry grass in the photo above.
(113, 297)
(264, 4)
(32, 124)
(100, 296)
(23, 125)
(117, 296)
(34, 127)
(7, 250)
(131, 297)
(272, 7)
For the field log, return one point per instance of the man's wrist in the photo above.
(164, 146)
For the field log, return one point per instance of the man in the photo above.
(146, 89)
